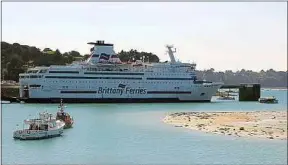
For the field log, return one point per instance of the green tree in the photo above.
(133, 55)
(86, 56)
(47, 50)
(74, 54)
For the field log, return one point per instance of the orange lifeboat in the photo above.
(64, 116)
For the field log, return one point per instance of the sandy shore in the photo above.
(261, 124)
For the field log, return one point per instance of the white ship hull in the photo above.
(131, 93)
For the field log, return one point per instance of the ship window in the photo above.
(43, 71)
(33, 76)
(63, 72)
(32, 71)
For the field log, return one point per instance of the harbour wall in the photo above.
(9, 92)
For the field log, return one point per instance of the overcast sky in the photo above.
(219, 35)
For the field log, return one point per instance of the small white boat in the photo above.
(46, 126)
(268, 100)
(225, 98)
(5, 102)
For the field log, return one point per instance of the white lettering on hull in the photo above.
(120, 91)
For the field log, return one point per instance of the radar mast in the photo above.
(170, 52)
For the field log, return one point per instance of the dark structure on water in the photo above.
(249, 92)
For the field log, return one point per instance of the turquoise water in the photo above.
(134, 133)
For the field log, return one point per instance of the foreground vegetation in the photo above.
(16, 58)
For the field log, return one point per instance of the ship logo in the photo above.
(122, 89)
(121, 86)
(104, 56)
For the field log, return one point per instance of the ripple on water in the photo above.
(135, 133)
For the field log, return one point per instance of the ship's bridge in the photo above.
(102, 53)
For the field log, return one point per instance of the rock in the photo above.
(200, 125)
(237, 134)
(241, 128)
(270, 132)
(251, 133)
(224, 129)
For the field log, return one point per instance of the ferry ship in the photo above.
(104, 78)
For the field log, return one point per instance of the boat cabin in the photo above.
(35, 126)
(40, 124)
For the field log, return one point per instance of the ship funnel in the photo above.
(170, 52)
(102, 52)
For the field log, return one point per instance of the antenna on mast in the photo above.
(170, 52)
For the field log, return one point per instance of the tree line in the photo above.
(16, 58)
(269, 78)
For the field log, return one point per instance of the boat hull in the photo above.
(38, 134)
(111, 92)
(109, 100)
(67, 126)
(38, 138)
(269, 102)
(226, 98)
(67, 123)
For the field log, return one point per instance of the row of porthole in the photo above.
(154, 82)
(40, 76)
(75, 87)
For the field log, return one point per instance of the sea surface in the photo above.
(135, 134)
